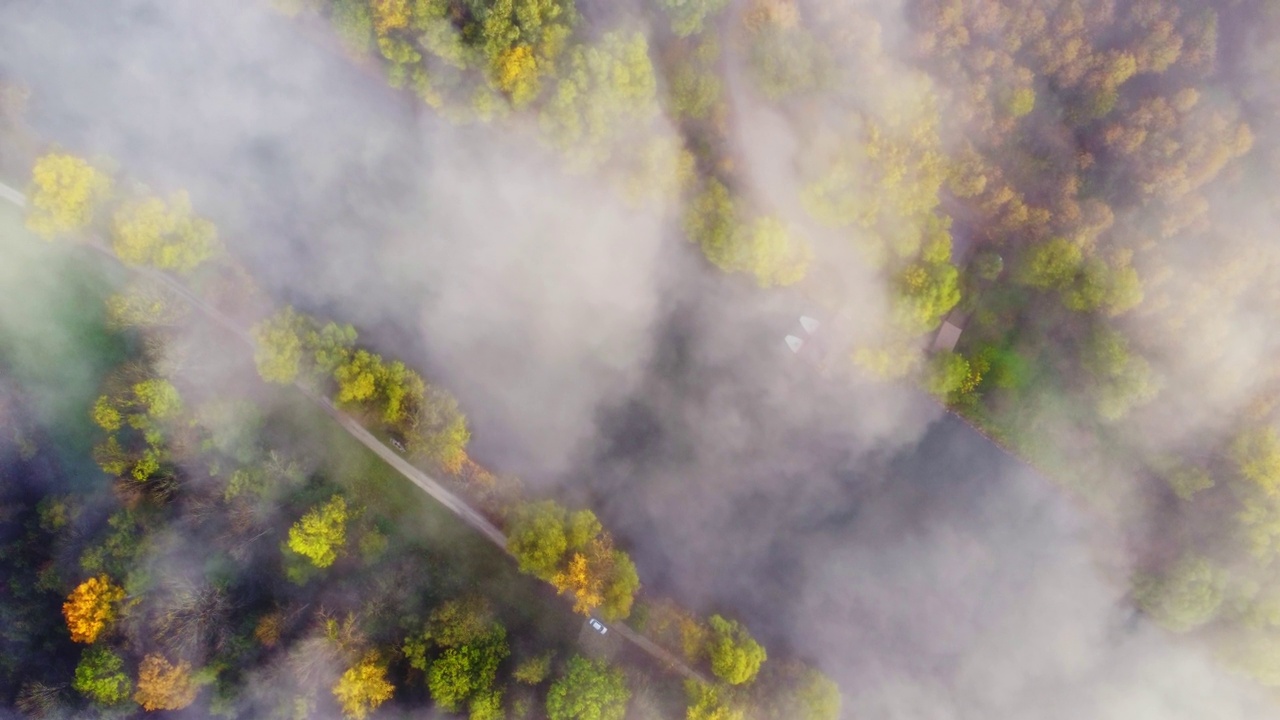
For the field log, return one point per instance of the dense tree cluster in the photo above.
(589, 690)
(185, 453)
(136, 415)
(577, 555)
(1092, 152)
(1104, 148)
(68, 194)
(598, 97)
(459, 650)
(293, 347)
(763, 247)
(735, 656)
(149, 231)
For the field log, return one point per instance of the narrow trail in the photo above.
(450, 500)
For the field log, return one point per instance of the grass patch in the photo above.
(528, 607)
(53, 338)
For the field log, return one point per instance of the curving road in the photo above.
(456, 504)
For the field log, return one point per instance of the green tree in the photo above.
(100, 676)
(1099, 286)
(1259, 524)
(786, 60)
(688, 16)
(278, 350)
(321, 533)
(582, 527)
(735, 656)
(541, 26)
(707, 702)
(799, 692)
(329, 346)
(695, 88)
(1187, 596)
(711, 221)
(1121, 379)
(771, 252)
(988, 265)
(145, 305)
(620, 588)
(926, 291)
(1256, 652)
(455, 676)
(487, 705)
(1256, 454)
(135, 416)
(1052, 264)
(1020, 102)
(537, 538)
(1188, 480)
(472, 645)
(948, 373)
(604, 92)
(358, 377)
(437, 430)
(66, 192)
(117, 551)
(157, 398)
(590, 690)
(106, 415)
(534, 670)
(163, 235)
(763, 247)
(354, 23)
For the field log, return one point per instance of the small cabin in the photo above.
(948, 336)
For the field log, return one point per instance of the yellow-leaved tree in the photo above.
(390, 15)
(587, 586)
(363, 686)
(65, 193)
(517, 74)
(321, 533)
(163, 235)
(91, 607)
(163, 685)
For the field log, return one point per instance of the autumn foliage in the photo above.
(65, 192)
(363, 687)
(91, 607)
(163, 685)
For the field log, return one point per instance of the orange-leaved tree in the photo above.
(163, 685)
(91, 607)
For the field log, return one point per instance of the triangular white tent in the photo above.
(809, 324)
(794, 343)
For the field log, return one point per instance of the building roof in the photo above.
(948, 336)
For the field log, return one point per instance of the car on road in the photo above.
(597, 626)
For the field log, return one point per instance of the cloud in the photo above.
(600, 358)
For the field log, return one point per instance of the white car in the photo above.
(597, 626)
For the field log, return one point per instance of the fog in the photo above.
(599, 358)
